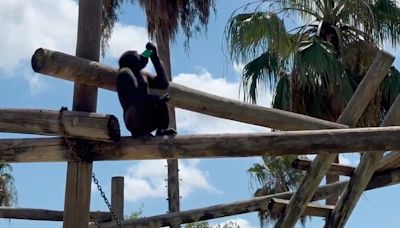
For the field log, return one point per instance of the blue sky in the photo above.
(28, 25)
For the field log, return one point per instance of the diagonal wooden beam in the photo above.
(350, 116)
(245, 206)
(84, 125)
(335, 169)
(95, 74)
(390, 161)
(277, 206)
(205, 146)
(368, 164)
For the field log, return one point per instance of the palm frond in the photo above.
(387, 18)
(263, 70)
(282, 95)
(390, 88)
(248, 34)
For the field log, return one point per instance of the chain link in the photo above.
(77, 157)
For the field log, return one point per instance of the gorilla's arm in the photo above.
(160, 80)
(130, 93)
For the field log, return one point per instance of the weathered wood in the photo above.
(117, 196)
(335, 169)
(172, 164)
(95, 74)
(82, 125)
(364, 171)
(208, 146)
(350, 116)
(252, 205)
(389, 161)
(79, 174)
(277, 206)
(47, 215)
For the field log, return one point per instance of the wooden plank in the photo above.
(78, 69)
(350, 116)
(82, 125)
(335, 169)
(117, 196)
(246, 206)
(208, 146)
(79, 174)
(47, 215)
(390, 161)
(277, 206)
(368, 164)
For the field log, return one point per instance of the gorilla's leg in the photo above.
(163, 120)
(136, 122)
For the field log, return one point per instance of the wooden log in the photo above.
(47, 215)
(277, 206)
(207, 146)
(368, 164)
(233, 145)
(82, 125)
(350, 116)
(79, 174)
(389, 161)
(117, 196)
(335, 169)
(246, 206)
(95, 74)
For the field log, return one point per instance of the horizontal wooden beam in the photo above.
(47, 215)
(92, 73)
(207, 146)
(83, 125)
(335, 169)
(246, 206)
(277, 206)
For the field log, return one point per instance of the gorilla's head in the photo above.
(133, 61)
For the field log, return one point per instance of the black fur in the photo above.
(143, 112)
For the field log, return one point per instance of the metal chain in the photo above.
(77, 157)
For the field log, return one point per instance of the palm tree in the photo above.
(314, 66)
(274, 175)
(8, 193)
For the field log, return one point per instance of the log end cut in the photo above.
(38, 60)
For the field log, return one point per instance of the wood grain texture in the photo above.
(364, 171)
(207, 146)
(82, 125)
(92, 73)
(47, 215)
(276, 206)
(79, 174)
(117, 196)
(335, 169)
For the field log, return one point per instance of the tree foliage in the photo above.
(190, 15)
(8, 193)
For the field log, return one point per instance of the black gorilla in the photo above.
(143, 112)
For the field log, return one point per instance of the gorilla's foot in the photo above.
(168, 131)
(143, 137)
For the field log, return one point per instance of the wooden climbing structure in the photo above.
(96, 137)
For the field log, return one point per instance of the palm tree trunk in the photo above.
(173, 170)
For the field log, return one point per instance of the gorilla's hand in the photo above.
(165, 97)
(153, 48)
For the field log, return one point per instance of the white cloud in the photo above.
(146, 179)
(195, 123)
(127, 37)
(30, 24)
(239, 222)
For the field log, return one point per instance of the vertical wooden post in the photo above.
(78, 184)
(117, 196)
(172, 164)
